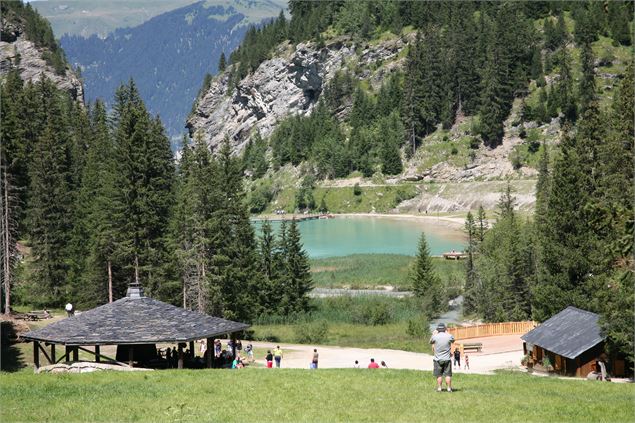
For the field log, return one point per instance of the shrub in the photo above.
(516, 159)
(475, 143)
(357, 190)
(311, 333)
(454, 150)
(374, 313)
(418, 327)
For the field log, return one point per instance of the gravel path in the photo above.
(503, 352)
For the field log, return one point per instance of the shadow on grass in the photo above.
(12, 358)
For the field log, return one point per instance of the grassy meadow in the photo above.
(363, 271)
(285, 395)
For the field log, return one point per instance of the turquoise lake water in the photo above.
(343, 236)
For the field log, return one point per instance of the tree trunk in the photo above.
(109, 281)
(136, 269)
(6, 247)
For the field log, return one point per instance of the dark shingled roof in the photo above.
(569, 333)
(134, 319)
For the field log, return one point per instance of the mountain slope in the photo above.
(27, 43)
(167, 57)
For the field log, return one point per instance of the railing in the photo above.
(492, 329)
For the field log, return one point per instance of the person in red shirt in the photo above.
(372, 364)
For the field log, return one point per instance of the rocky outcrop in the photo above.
(18, 52)
(288, 84)
(87, 367)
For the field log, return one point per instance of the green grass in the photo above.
(439, 147)
(363, 271)
(391, 336)
(285, 395)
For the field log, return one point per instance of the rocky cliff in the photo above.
(16, 51)
(289, 83)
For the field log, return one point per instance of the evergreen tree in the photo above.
(426, 285)
(469, 302)
(297, 280)
(221, 62)
(586, 87)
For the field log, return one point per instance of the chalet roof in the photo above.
(134, 319)
(569, 333)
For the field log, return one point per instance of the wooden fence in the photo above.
(492, 329)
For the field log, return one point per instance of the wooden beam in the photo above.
(75, 353)
(192, 351)
(97, 357)
(105, 356)
(67, 354)
(180, 366)
(45, 353)
(209, 352)
(53, 354)
(36, 354)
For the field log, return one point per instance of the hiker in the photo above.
(442, 344)
(239, 346)
(457, 357)
(277, 355)
(218, 348)
(314, 362)
(372, 364)
(356, 365)
(70, 310)
(467, 362)
(269, 359)
(237, 363)
(249, 349)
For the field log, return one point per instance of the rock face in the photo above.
(17, 51)
(287, 84)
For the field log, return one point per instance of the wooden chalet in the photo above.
(573, 343)
(135, 324)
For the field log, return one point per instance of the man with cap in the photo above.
(442, 344)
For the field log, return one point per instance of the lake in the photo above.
(343, 236)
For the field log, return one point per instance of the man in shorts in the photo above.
(442, 344)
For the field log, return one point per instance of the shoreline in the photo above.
(453, 222)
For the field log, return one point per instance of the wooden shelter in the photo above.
(135, 324)
(573, 343)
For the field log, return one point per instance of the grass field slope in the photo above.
(262, 395)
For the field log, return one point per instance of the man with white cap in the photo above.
(442, 344)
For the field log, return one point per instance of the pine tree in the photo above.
(482, 224)
(298, 282)
(221, 62)
(469, 303)
(426, 285)
(586, 87)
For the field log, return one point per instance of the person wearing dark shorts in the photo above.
(442, 363)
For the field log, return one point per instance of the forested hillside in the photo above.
(438, 91)
(168, 56)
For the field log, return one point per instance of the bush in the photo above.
(418, 327)
(374, 313)
(454, 150)
(357, 190)
(516, 159)
(311, 333)
(475, 143)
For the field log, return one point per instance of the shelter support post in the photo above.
(209, 352)
(180, 366)
(36, 354)
(192, 351)
(52, 353)
(75, 354)
(233, 338)
(97, 357)
(68, 352)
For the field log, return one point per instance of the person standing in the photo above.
(277, 355)
(442, 364)
(457, 357)
(249, 349)
(269, 359)
(467, 362)
(314, 362)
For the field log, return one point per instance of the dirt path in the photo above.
(498, 353)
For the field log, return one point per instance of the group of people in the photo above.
(371, 365)
(276, 355)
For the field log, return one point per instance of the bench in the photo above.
(477, 346)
